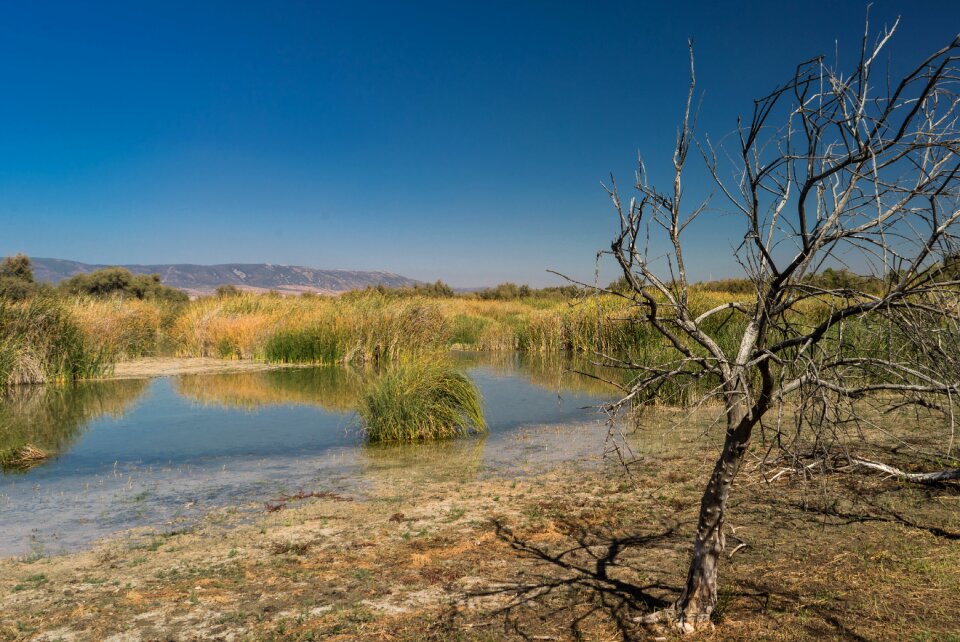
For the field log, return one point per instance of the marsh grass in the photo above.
(315, 344)
(322, 330)
(421, 400)
(121, 328)
(40, 342)
(371, 327)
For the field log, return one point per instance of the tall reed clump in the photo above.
(232, 327)
(40, 342)
(421, 400)
(122, 328)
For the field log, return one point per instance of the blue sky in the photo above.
(462, 141)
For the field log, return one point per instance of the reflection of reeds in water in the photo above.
(331, 388)
(47, 419)
(570, 373)
(391, 467)
(553, 371)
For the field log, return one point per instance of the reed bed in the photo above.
(320, 330)
(41, 342)
(421, 400)
(367, 327)
(120, 328)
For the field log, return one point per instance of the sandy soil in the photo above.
(166, 366)
(569, 553)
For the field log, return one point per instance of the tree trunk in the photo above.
(699, 596)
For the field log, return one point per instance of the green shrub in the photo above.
(118, 281)
(14, 289)
(16, 278)
(17, 267)
(421, 400)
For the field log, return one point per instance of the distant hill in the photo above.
(260, 277)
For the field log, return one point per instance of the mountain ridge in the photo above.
(198, 279)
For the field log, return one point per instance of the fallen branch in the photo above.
(920, 478)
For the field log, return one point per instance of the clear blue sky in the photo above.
(453, 140)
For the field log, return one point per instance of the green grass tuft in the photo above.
(316, 344)
(421, 400)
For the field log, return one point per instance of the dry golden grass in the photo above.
(123, 328)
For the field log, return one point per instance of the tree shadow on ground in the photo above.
(870, 507)
(760, 597)
(588, 581)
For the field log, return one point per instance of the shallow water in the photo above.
(161, 453)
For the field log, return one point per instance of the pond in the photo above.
(162, 453)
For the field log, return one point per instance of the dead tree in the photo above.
(830, 169)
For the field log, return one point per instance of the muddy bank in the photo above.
(570, 552)
(148, 367)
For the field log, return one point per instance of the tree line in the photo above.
(17, 283)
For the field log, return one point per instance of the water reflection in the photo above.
(162, 453)
(51, 418)
(557, 372)
(338, 388)
(332, 388)
(182, 419)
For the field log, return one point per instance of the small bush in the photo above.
(14, 289)
(421, 401)
(22, 457)
(17, 267)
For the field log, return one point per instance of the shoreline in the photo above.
(457, 553)
(152, 367)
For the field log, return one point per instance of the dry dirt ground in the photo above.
(573, 553)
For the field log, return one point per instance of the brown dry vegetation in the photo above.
(575, 552)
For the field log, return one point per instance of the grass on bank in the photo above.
(421, 400)
(365, 327)
(41, 342)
